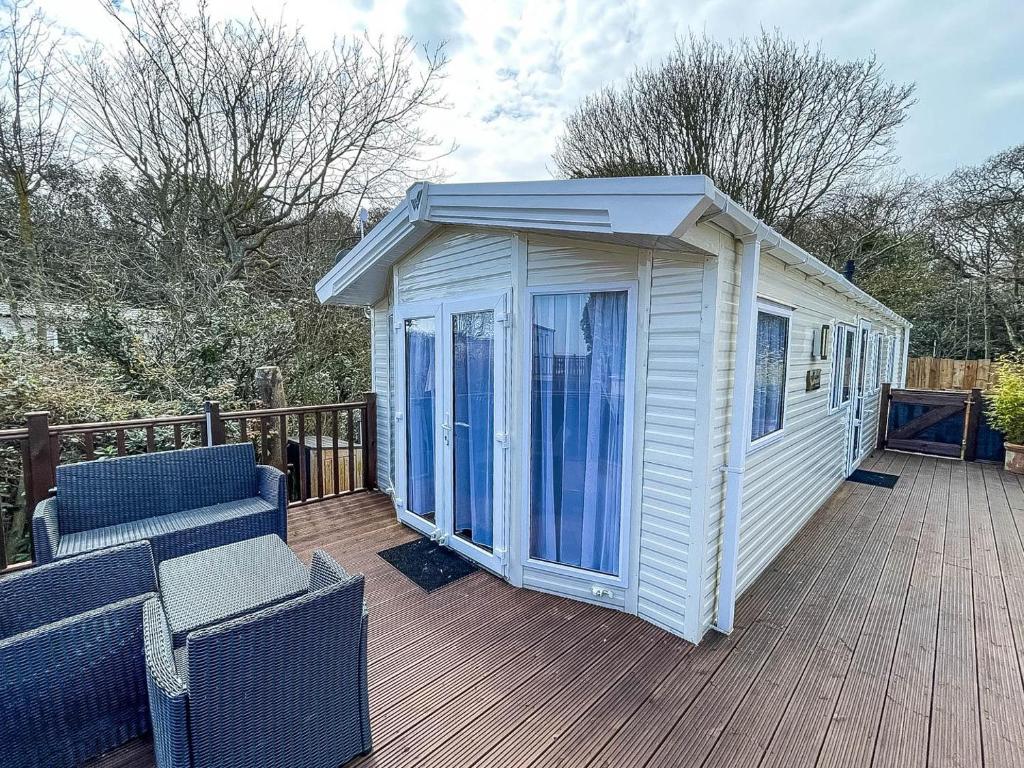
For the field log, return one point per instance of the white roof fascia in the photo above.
(654, 206)
(651, 206)
(363, 272)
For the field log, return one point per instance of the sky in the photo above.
(518, 67)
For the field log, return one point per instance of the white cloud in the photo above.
(1005, 93)
(518, 67)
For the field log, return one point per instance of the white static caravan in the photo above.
(627, 391)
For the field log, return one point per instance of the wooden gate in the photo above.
(938, 423)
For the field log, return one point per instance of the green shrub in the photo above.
(1006, 399)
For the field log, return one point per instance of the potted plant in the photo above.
(1005, 410)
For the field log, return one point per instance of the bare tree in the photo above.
(239, 130)
(32, 141)
(866, 223)
(978, 227)
(778, 126)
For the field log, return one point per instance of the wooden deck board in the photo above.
(758, 715)
(903, 733)
(890, 632)
(1001, 694)
(955, 725)
(808, 714)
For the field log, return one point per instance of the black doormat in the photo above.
(874, 478)
(427, 564)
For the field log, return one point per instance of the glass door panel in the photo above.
(417, 383)
(419, 407)
(473, 427)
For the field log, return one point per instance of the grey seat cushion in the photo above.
(200, 524)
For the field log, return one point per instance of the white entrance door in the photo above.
(450, 424)
(474, 435)
(857, 406)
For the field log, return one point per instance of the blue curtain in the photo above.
(473, 372)
(419, 375)
(769, 374)
(577, 424)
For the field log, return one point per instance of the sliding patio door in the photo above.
(450, 382)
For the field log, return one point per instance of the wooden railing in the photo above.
(326, 450)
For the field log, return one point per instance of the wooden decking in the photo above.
(889, 633)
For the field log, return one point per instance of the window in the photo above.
(578, 408)
(862, 360)
(842, 366)
(772, 347)
(876, 361)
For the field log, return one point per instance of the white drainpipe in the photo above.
(906, 356)
(742, 399)
(739, 422)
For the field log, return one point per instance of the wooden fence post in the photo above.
(270, 389)
(974, 406)
(370, 442)
(41, 476)
(214, 425)
(883, 415)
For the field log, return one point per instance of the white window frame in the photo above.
(625, 522)
(890, 357)
(874, 363)
(415, 311)
(770, 307)
(497, 303)
(838, 367)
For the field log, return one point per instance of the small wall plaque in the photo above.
(813, 379)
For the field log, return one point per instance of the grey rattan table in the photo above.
(208, 587)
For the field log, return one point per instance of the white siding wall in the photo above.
(787, 480)
(380, 376)
(456, 262)
(554, 260)
(669, 461)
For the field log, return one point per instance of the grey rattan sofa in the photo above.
(72, 671)
(181, 501)
(284, 686)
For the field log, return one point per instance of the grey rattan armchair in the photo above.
(284, 686)
(72, 675)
